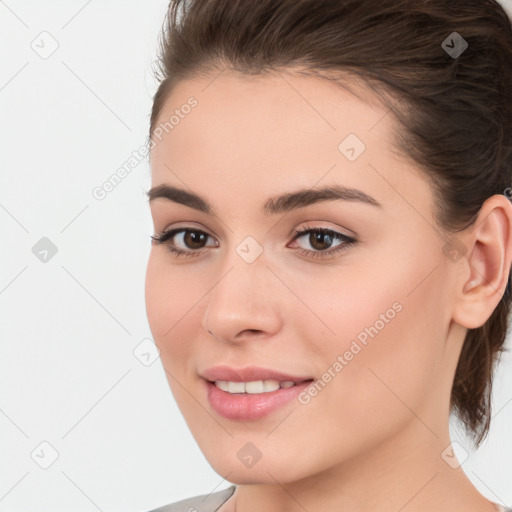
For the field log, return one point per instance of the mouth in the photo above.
(251, 393)
(251, 374)
(256, 386)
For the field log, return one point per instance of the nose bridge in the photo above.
(243, 298)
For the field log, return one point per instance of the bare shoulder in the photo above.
(203, 503)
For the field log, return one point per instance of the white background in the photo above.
(69, 326)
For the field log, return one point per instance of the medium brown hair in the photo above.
(454, 111)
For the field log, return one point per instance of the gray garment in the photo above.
(212, 502)
(203, 503)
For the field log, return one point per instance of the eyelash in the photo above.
(165, 236)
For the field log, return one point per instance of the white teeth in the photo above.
(270, 385)
(257, 386)
(254, 387)
(236, 387)
(222, 384)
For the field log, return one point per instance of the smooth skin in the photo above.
(373, 438)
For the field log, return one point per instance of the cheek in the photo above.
(167, 303)
(173, 309)
(388, 322)
(169, 295)
(159, 300)
(361, 401)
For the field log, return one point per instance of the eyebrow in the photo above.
(274, 205)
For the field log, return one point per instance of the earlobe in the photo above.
(488, 261)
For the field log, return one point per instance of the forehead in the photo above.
(280, 109)
(280, 129)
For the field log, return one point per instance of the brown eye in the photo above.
(321, 242)
(184, 242)
(194, 239)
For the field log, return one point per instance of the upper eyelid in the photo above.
(296, 233)
(341, 231)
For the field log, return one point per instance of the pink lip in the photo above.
(247, 406)
(248, 374)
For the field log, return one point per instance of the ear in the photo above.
(487, 263)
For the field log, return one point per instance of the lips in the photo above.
(226, 389)
(249, 374)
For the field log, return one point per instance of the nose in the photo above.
(244, 304)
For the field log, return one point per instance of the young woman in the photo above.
(330, 271)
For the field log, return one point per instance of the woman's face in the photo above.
(368, 320)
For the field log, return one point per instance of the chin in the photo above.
(254, 475)
(266, 470)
